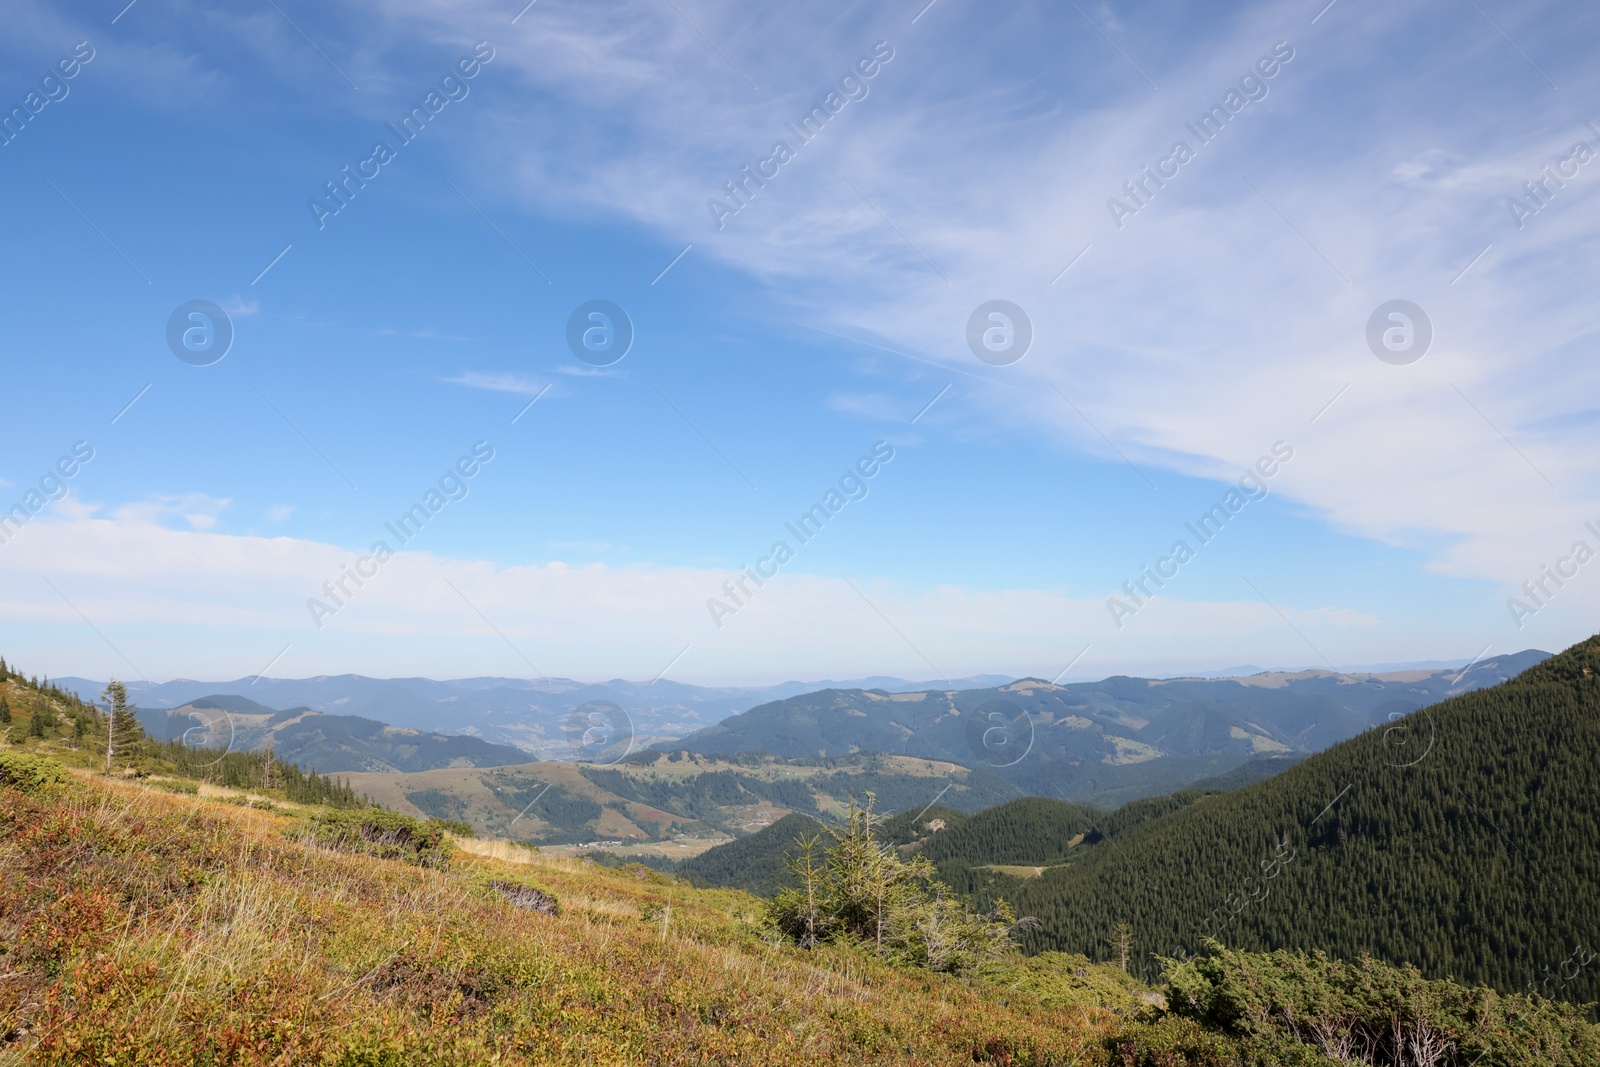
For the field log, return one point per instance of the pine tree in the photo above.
(36, 724)
(805, 868)
(1121, 942)
(123, 733)
(865, 894)
(5, 709)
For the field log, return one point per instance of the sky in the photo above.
(1064, 278)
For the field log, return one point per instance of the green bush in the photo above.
(254, 803)
(30, 773)
(1065, 981)
(374, 832)
(176, 785)
(1293, 1008)
(861, 892)
(1175, 1042)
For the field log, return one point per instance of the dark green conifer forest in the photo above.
(1463, 838)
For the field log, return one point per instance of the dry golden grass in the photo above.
(143, 927)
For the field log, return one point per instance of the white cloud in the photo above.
(1204, 330)
(199, 510)
(427, 334)
(500, 382)
(201, 603)
(239, 308)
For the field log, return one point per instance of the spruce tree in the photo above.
(123, 733)
(5, 711)
(36, 725)
(1121, 944)
(865, 894)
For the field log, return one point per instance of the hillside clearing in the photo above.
(175, 930)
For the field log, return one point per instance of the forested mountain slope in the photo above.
(1103, 742)
(758, 862)
(1464, 838)
(965, 849)
(327, 743)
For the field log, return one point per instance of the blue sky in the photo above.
(1225, 314)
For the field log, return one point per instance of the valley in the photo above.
(1455, 845)
(667, 803)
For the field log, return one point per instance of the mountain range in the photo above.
(1105, 742)
(328, 744)
(536, 716)
(680, 802)
(1463, 838)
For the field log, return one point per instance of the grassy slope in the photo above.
(493, 798)
(144, 927)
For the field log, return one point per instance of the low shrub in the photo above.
(30, 773)
(526, 896)
(374, 832)
(1294, 1009)
(1064, 981)
(860, 891)
(176, 785)
(254, 803)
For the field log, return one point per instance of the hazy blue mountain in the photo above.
(1109, 741)
(323, 743)
(535, 715)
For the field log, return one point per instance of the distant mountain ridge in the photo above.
(532, 715)
(1464, 838)
(327, 744)
(1106, 742)
(654, 797)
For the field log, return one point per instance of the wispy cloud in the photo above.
(576, 371)
(500, 382)
(428, 334)
(199, 511)
(202, 601)
(592, 548)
